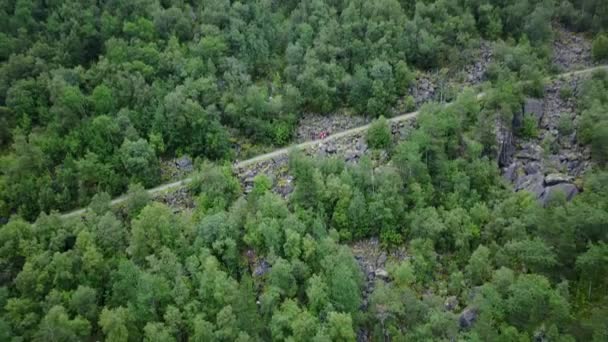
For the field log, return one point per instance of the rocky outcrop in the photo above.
(372, 260)
(568, 190)
(176, 168)
(570, 49)
(476, 72)
(261, 268)
(467, 317)
(557, 178)
(179, 200)
(552, 161)
(534, 108)
(504, 140)
(312, 126)
(532, 183)
(451, 303)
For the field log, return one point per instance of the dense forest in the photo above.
(262, 268)
(95, 94)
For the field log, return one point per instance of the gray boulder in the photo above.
(451, 303)
(381, 259)
(568, 189)
(532, 183)
(331, 148)
(510, 173)
(184, 163)
(534, 107)
(557, 178)
(468, 316)
(530, 152)
(262, 268)
(532, 167)
(382, 274)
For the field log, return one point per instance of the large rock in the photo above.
(262, 268)
(568, 189)
(382, 274)
(451, 303)
(530, 152)
(557, 178)
(467, 317)
(504, 141)
(534, 108)
(532, 183)
(532, 167)
(331, 148)
(381, 259)
(510, 173)
(184, 163)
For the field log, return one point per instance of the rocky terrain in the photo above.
(428, 86)
(351, 148)
(312, 125)
(373, 260)
(442, 86)
(552, 161)
(571, 50)
(176, 168)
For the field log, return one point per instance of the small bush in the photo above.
(379, 133)
(566, 92)
(599, 143)
(409, 103)
(535, 86)
(565, 125)
(529, 127)
(550, 145)
(281, 133)
(599, 49)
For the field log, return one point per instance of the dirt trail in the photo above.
(285, 150)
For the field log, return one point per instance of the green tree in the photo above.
(216, 187)
(281, 277)
(599, 49)
(532, 302)
(599, 142)
(139, 162)
(137, 199)
(57, 326)
(84, 302)
(379, 134)
(114, 324)
(479, 268)
(340, 327)
(155, 227)
(592, 266)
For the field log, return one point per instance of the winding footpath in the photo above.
(304, 145)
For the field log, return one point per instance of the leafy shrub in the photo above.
(409, 104)
(565, 125)
(282, 133)
(599, 143)
(529, 127)
(590, 118)
(599, 49)
(566, 92)
(216, 186)
(379, 134)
